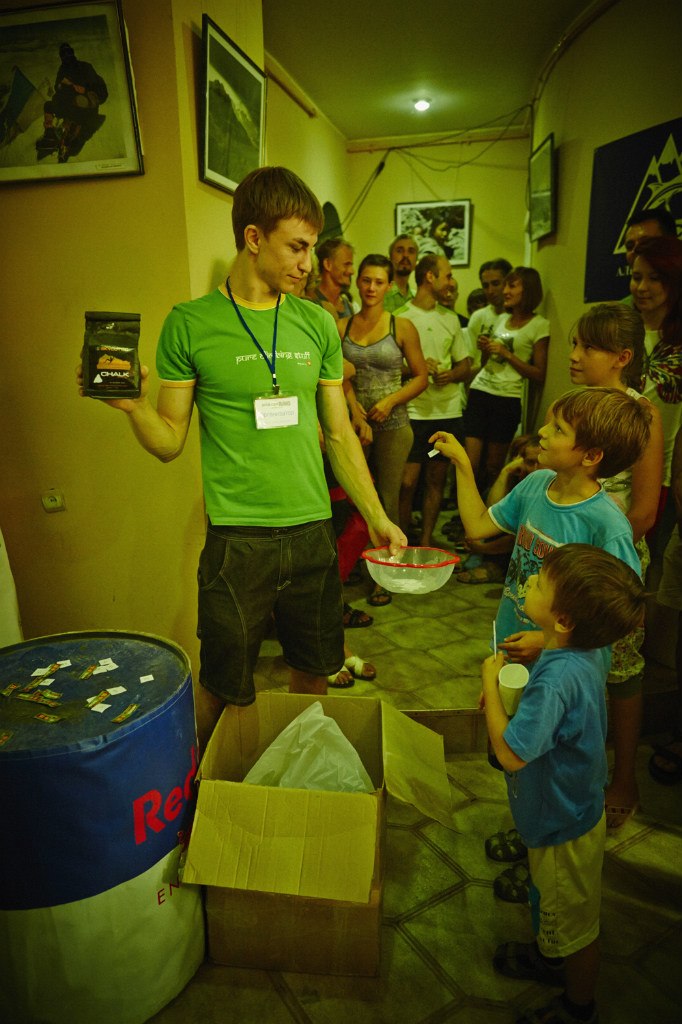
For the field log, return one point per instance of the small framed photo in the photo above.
(67, 103)
(440, 228)
(232, 123)
(542, 190)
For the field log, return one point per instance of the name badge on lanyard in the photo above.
(275, 411)
(276, 408)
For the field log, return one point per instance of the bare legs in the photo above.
(581, 971)
(436, 473)
(304, 682)
(495, 457)
(626, 722)
(209, 708)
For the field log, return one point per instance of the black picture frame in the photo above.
(232, 124)
(442, 228)
(542, 190)
(66, 116)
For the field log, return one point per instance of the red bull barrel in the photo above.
(98, 756)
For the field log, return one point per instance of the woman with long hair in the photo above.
(515, 350)
(376, 343)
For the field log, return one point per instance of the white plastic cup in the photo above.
(512, 678)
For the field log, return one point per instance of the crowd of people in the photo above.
(312, 398)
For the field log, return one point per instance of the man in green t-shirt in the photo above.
(263, 367)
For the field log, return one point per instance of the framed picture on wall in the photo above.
(542, 190)
(232, 124)
(67, 103)
(443, 228)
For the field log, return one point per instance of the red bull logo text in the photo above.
(152, 811)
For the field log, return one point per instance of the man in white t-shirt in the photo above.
(491, 275)
(448, 363)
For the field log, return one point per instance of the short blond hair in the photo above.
(609, 421)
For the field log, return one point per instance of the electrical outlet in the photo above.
(53, 500)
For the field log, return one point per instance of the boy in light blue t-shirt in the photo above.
(592, 432)
(553, 753)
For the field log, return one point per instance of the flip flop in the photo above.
(513, 885)
(379, 598)
(506, 847)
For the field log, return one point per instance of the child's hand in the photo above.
(449, 446)
(524, 647)
(490, 669)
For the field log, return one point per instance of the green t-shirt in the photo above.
(254, 477)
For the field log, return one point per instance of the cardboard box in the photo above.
(294, 877)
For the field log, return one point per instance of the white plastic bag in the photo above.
(311, 753)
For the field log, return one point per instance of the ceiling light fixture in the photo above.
(422, 105)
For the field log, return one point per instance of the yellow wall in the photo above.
(123, 555)
(619, 77)
(310, 146)
(495, 184)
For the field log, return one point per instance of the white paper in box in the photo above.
(307, 842)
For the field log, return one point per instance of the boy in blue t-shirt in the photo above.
(591, 432)
(553, 753)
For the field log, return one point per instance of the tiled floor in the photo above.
(442, 921)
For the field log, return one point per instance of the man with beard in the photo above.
(403, 256)
(335, 265)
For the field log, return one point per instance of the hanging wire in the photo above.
(444, 139)
(364, 192)
(406, 153)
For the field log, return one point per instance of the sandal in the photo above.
(506, 847)
(358, 668)
(379, 598)
(525, 962)
(486, 573)
(353, 668)
(668, 776)
(617, 817)
(513, 885)
(555, 1013)
(341, 680)
(353, 618)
